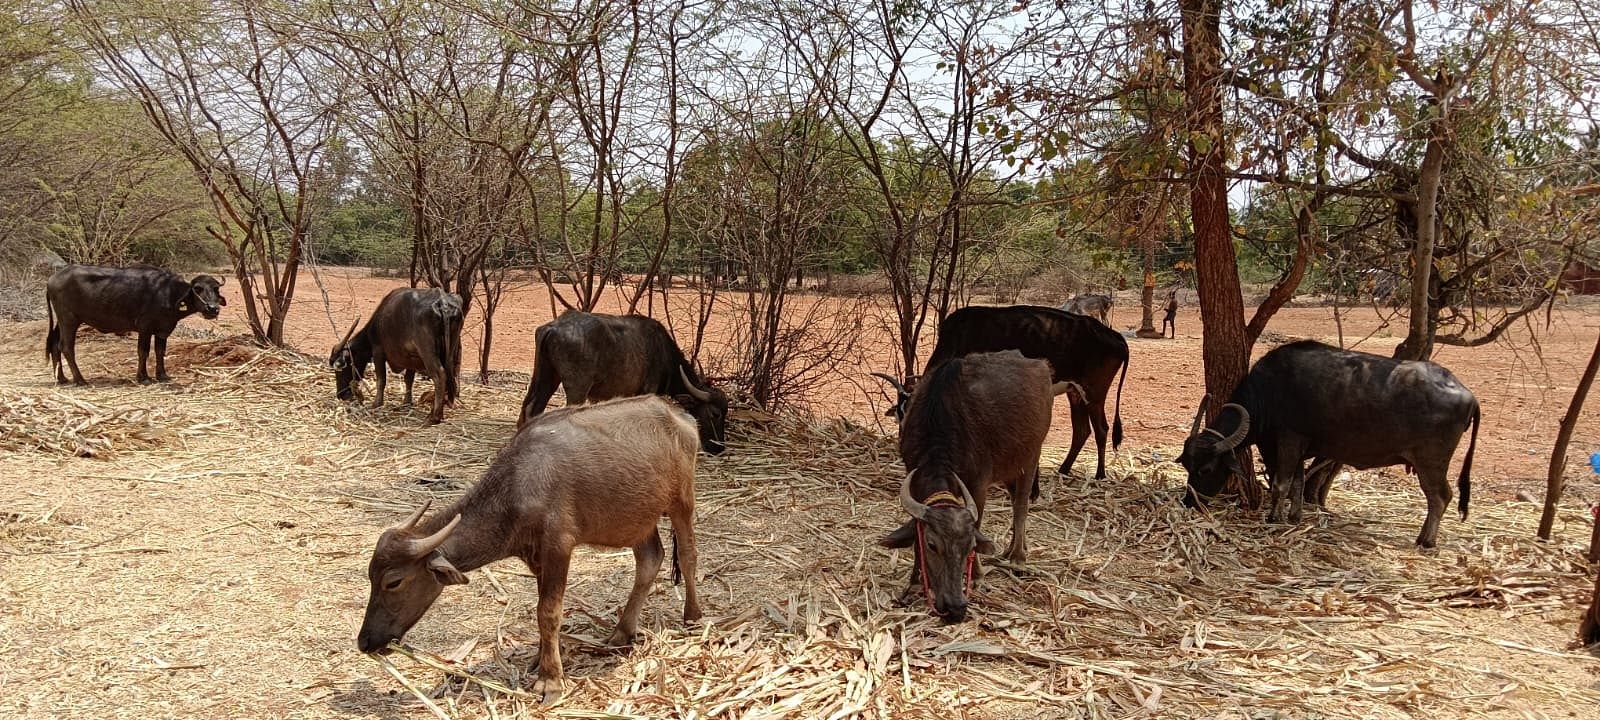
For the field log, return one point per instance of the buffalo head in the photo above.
(709, 407)
(902, 396)
(407, 575)
(1208, 453)
(204, 297)
(349, 362)
(944, 534)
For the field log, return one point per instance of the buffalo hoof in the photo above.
(621, 639)
(163, 378)
(549, 690)
(145, 381)
(435, 419)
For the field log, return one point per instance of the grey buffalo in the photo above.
(1092, 305)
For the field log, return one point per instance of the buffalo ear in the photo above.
(684, 401)
(1182, 458)
(221, 300)
(444, 571)
(901, 537)
(1233, 464)
(985, 545)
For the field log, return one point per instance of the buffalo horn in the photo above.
(349, 333)
(411, 522)
(697, 393)
(896, 383)
(1199, 415)
(916, 509)
(966, 497)
(1232, 441)
(422, 546)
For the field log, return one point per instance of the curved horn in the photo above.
(1232, 441)
(1199, 416)
(694, 392)
(422, 546)
(916, 509)
(896, 383)
(350, 333)
(966, 497)
(411, 522)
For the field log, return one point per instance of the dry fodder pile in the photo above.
(61, 424)
(1129, 606)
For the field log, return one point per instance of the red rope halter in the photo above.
(941, 498)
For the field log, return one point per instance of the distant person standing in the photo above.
(1171, 320)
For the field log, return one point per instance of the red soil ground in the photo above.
(1523, 382)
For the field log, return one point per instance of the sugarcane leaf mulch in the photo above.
(199, 549)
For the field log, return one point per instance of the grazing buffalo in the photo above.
(1309, 400)
(594, 475)
(599, 357)
(414, 330)
(974, 421)
(1091, 305)
(146, 300)
(1080, 351)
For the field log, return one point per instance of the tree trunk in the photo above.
(1418, 344)
(1147, 296)
(1555, 480)
(1224, 347)
(488, 339)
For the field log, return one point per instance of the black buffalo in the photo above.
(146, 300)
(598, 357)
(412, 330)
(1080, 350)
(1309, 400)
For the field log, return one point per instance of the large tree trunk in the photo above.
(1555, 480)
(1418, 344)
(1224, 347)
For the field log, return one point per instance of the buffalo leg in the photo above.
(410, 377)
(646, 566)
(1017, 553)
(436, 372)
(69, 349)
(161, 359)
(683, 545)
(1080, 434)
(1436, 486)
(144, 357)
(553, 564)
(544, 384)
(380, 368)
(1097, 420)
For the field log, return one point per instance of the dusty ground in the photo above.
(210, 562)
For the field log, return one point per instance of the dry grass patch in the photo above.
(227, 572)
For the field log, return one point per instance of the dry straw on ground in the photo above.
(1130, 606)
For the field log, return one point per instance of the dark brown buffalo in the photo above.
(1079, 349)
(599, 357)
(412, 330)
(146, 300)
(973, 422)
(592, 475)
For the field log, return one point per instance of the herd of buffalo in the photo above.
(603, 469)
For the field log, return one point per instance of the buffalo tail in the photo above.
(677, 572)
(1116, 422)
(52, 338)
(1464, 485)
